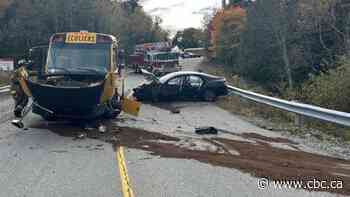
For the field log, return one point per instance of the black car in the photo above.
(182, 85)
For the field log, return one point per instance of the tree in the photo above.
(228, 28)
(189, 38)
(30, 22)
(130, 5)
(277, 15)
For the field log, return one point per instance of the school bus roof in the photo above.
(83, 37)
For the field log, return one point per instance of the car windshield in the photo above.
(93, 58)
(167, 56)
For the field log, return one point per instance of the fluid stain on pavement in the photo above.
(256, 157)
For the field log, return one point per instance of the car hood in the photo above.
(150, 76)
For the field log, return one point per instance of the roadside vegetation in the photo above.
(295, 50)
(271, 118)
(290, 48)
(331, 89)
(27, 23)
(189, 38)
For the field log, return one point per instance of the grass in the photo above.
(269, 117)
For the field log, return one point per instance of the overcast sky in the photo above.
(180, 14)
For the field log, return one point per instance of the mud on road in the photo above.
(253, 153)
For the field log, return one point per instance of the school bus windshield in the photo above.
(79, 57)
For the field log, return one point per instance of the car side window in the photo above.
(195, 81)
(175, 81)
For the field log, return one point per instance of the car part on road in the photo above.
(80, 136)
(206, 131)
(131, 107)
(18, 123)
(102, 128)
(175, 111)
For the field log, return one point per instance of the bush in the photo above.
(331, 89)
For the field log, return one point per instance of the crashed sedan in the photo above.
(183, 85)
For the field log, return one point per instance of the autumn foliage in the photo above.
(232, 18)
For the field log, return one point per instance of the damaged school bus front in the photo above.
(79, 80)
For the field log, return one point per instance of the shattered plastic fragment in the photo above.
(81, 135)
(206, 130)
(102, 129)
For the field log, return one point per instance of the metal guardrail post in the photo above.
(299, 120)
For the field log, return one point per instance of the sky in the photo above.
(180, 14)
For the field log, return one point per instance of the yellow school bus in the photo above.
(80, 79)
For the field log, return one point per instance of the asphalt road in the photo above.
(39, 162)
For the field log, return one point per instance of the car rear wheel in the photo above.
(209, 96)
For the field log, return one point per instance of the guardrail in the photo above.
(5, 89)
(320, 113)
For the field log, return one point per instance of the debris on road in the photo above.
(206, 131)
(102, 128)
(80, 136)
(18, 123)
(175, 111)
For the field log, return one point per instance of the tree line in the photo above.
(299, 49)
(26, 23)
(283, 40)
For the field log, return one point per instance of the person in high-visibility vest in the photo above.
(21, 99)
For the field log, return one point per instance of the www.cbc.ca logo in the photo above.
(263, 183)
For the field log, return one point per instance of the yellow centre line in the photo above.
(125, 181)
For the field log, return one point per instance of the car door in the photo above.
(172, 89)
(192, 86)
